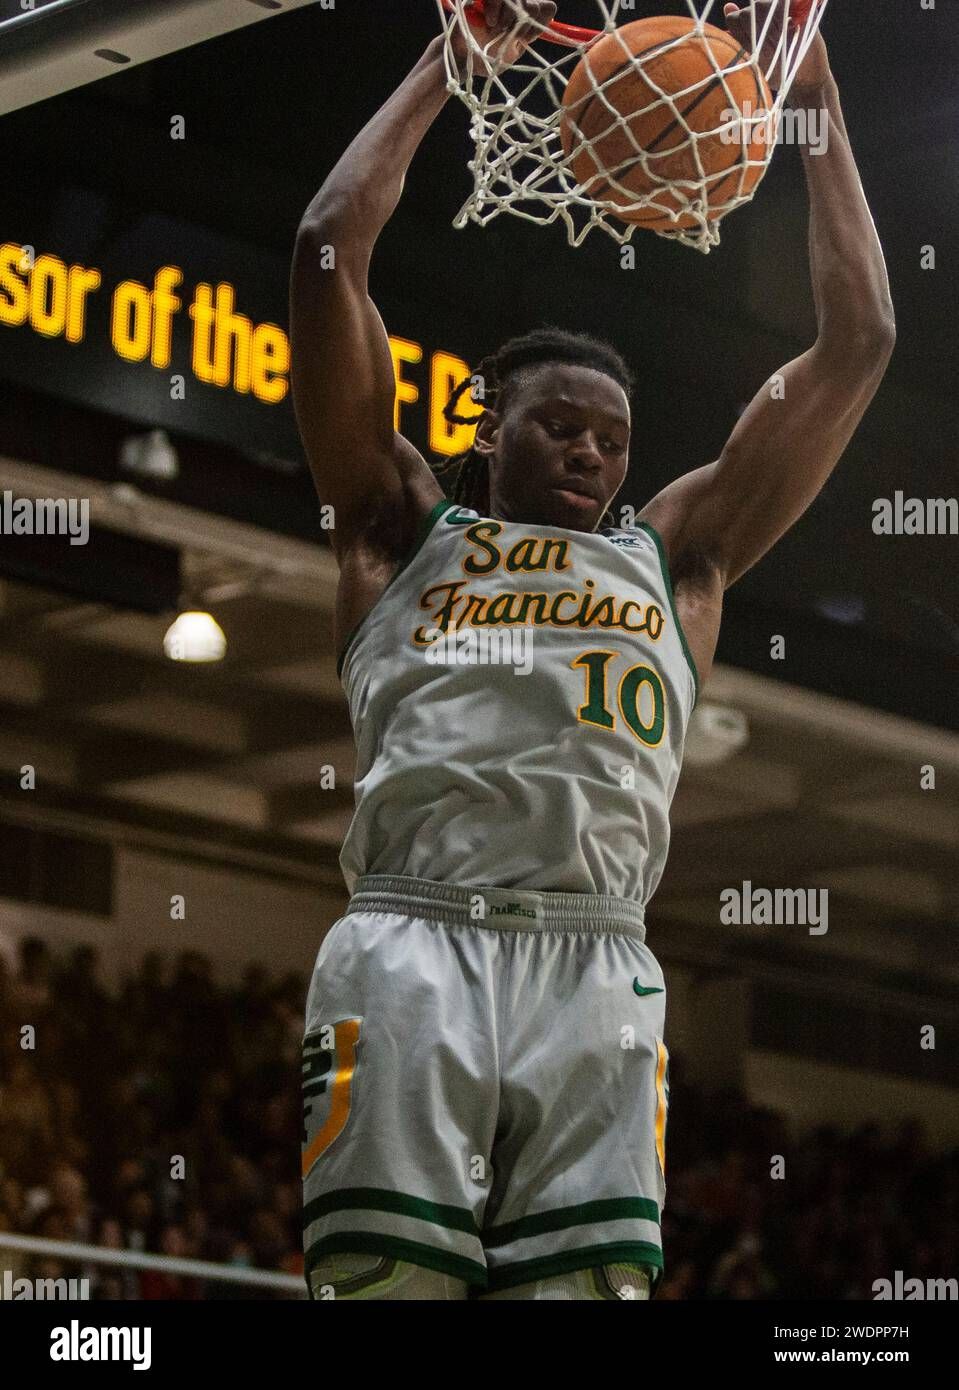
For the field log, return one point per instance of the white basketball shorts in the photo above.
(485, 1083)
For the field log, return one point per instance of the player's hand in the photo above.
(814, 68)
(493, 23)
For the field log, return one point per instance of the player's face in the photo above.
(559, 453)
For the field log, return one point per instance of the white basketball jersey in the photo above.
(520, 697)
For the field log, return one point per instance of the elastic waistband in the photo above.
(507, 908)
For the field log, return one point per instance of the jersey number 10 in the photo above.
(629, 695)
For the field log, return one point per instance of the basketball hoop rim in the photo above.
(575, 36)
(567, 35)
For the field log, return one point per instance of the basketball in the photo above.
(610, 108)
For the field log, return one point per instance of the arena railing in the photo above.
(270, 1280)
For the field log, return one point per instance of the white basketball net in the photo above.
(521, 167)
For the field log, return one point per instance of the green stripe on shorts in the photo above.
(562, 1218)
(634, 1252)
(400, 1203)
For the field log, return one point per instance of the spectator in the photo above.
(157, 1284)
(29, 995)
(26, 1119)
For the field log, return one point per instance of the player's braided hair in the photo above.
(494, 381)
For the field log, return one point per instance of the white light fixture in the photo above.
(195, 636)
(150, 456)
(715, 733)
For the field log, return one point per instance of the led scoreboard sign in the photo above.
(188, 351)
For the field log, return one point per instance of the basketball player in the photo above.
(485, 1078)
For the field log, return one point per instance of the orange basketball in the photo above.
(615, 122)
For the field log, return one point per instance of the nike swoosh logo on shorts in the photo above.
(645, 989)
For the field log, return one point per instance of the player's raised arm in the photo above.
(342, 370)
(794, 432)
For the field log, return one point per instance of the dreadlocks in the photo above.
(493, 384)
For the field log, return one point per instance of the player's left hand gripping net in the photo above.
(520, 165)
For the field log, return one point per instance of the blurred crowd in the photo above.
(842, 1210)
(118, 1084)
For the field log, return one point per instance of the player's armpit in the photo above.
(778, 458)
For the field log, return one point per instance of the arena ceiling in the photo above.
(52, 46)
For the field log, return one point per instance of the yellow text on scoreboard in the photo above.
(227, 349)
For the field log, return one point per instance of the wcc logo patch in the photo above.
(329, 1064)
(628, 540)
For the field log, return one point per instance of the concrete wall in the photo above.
(232, 916)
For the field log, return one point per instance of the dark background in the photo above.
(94, 177)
